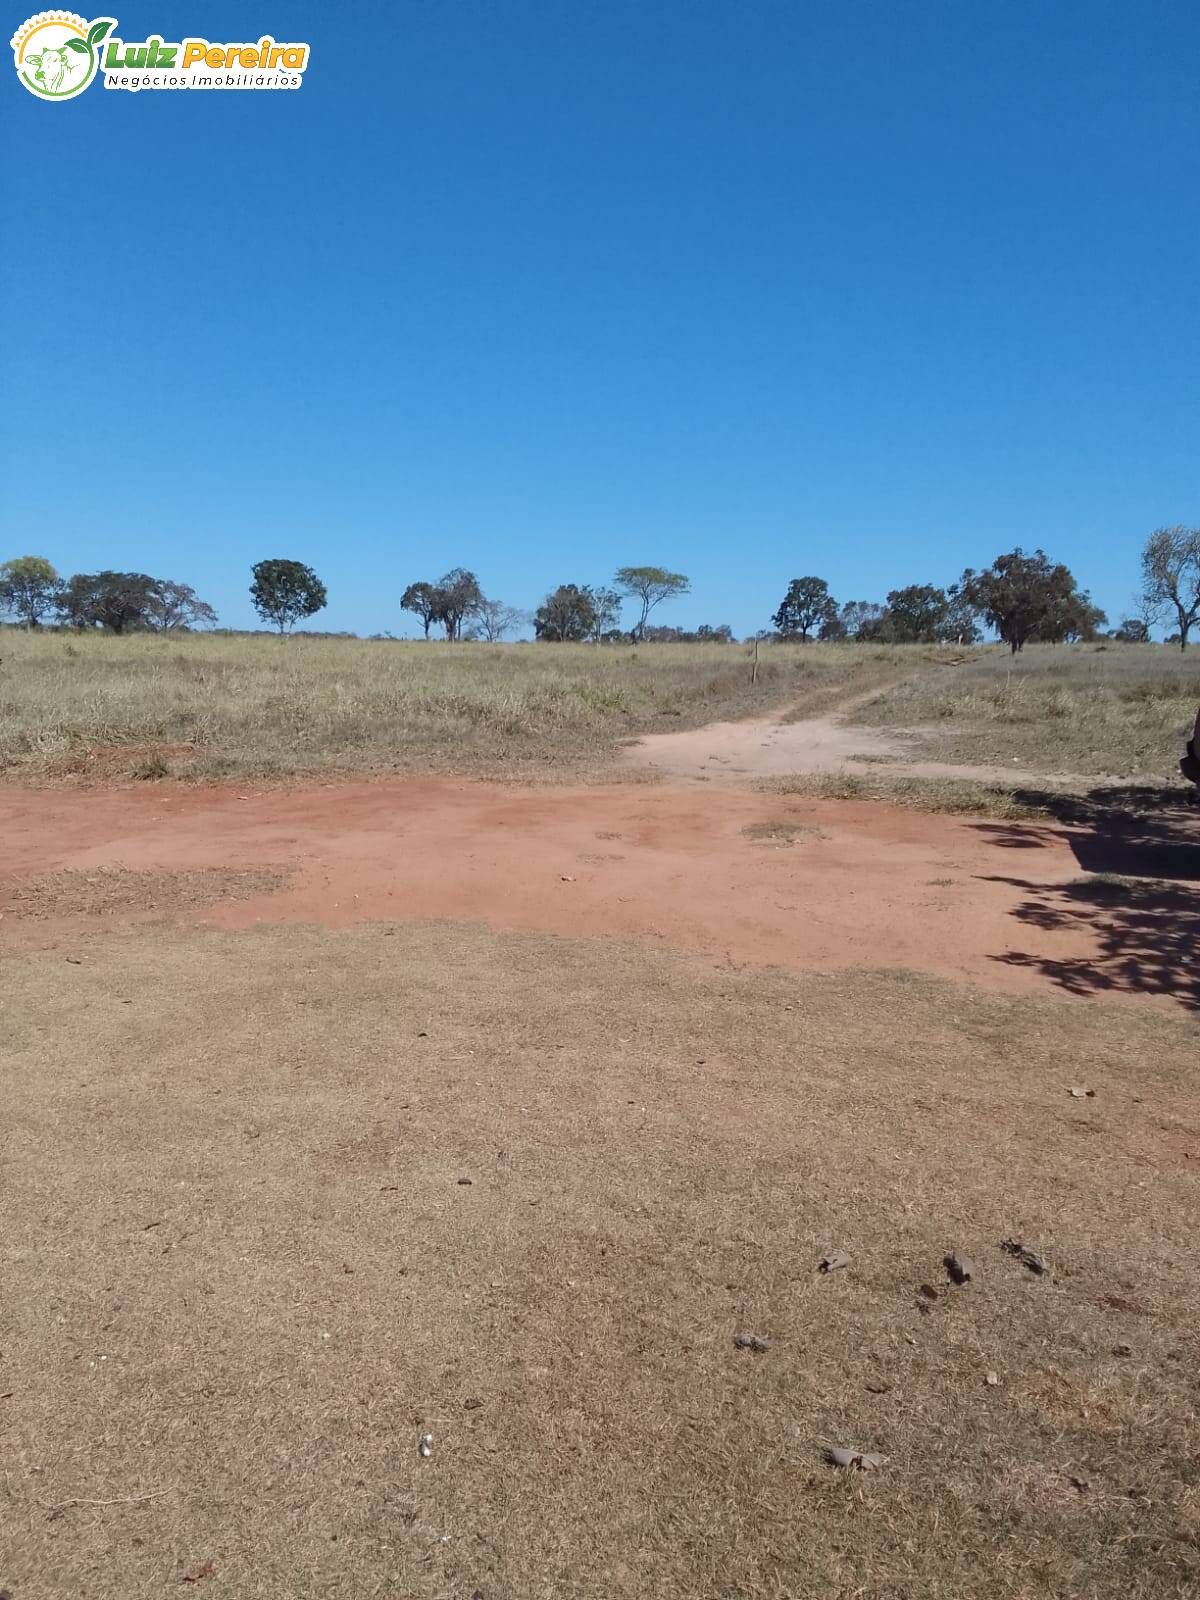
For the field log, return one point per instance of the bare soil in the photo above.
(517, 1120)
(781, 745)
(855, 884)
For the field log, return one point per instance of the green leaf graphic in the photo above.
(97, 31)
(77, 44)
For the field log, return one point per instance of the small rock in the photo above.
(832, 1263)
(1082, 1094)
(992, 1379)
(426, 1445)
(75, 961)
(1122, 1349)
(1027, 1257)
(961, 1270)
(860, 1460)
(567, 879)
(752, 1341)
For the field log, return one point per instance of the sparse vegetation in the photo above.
(211, 705)
(955, 796)
(1120, 710)
(234, 1168)
(214, 705)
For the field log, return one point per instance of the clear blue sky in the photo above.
(749, 289)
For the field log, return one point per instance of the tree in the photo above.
(959, 625)
(805, 606)
(424, 600)
(1018, 594)
(1171, 576)
(606, 609)
(1132, 631)
(284, 591)
(29, 588)
(118, 601)
(920, 613)
(859, 617)
(493, 619)
(458, 597)
(175, 607)
(917, 613)
(1071, 616)
(649, 586)
(566, 615)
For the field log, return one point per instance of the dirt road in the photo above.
(776, 746)
(737, 875)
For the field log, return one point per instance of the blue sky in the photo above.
(750, 289)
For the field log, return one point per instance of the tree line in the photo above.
(571, 613)
(121, 602)
(1024, 598)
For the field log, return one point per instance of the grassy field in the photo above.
(280, 1203)
(210, 706)
(1119, 711)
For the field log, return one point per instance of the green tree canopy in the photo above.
(29, 589)
(649, 586)
(458, 597)
(806, 605)
(424, 601)
(1020, 594)
(1132, 630)
(284, 591)
(124, 602)
(917, 613)
(118, 601)
(566, 615)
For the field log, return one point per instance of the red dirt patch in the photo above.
(855, 894)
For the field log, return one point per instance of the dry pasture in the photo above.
(1107, 709)
(212, 706)
(278, 1204)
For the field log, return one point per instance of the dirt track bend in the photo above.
(773, 746)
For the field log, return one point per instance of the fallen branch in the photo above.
(77, 1500)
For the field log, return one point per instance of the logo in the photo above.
(58, 54)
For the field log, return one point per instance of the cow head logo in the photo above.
(57, 53)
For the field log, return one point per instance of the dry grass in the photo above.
(211, 706)
(955, 796)
(1117, 710)
(780, 833)
(242, 1277)
(117, 891)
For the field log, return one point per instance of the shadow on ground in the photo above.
(1142, 906)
